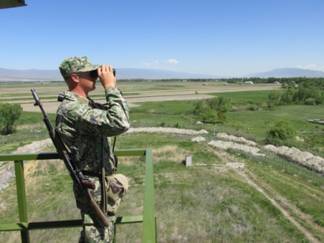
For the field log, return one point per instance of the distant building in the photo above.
(248, 82)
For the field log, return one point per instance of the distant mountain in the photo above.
(288, 73)
(29, 75)
(122, 73)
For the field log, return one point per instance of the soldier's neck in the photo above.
(79, 92)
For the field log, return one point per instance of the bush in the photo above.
(200, 107)
(280, 133)
(307, 93)
(9, 114)
(209, 116)
(213, 110)
(221, 105)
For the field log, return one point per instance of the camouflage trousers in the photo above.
(92, 232)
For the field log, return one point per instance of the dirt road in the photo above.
(275, 199)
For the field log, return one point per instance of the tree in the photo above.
(9, 114)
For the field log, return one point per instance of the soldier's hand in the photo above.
(106, 76)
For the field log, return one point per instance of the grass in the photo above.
(301, 187)
(250, 124)
(246, 97)
(49, 197)
(192, 204)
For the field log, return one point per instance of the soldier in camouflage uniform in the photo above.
(85, 127)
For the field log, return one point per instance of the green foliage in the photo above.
(220, 104)
(9, 114)
(280, 133)
(288, 97)
(242, 122)
(212, 110)
(273, 99)
(308, 92)
(283, 81)
(209, 116)
(203, 111)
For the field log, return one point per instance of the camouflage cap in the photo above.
(76, 64)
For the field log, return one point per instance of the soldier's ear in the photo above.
(75, 78)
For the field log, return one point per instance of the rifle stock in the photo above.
(74, 172)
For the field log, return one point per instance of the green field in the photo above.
(242, 121)
(197, 204)
(210, 203)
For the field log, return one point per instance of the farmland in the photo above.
(270, 200)
(135, 92)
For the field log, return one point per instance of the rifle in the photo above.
(66, 155)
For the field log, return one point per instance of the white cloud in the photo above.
(172, 61)
(312, 66)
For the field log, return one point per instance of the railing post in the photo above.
(21, 198)
(149, 224)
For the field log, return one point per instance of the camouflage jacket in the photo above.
(85, 127)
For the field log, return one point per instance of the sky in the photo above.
(218, 37)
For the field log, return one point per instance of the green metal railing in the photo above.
(24, 226)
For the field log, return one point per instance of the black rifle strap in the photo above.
(113, 151)
(103, 179)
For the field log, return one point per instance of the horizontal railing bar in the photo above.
(63, 223)
(40, 156)
(10, 227)
(48, 156)
(55, 224)
(129, 219)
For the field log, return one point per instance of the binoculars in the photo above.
(94, 73)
